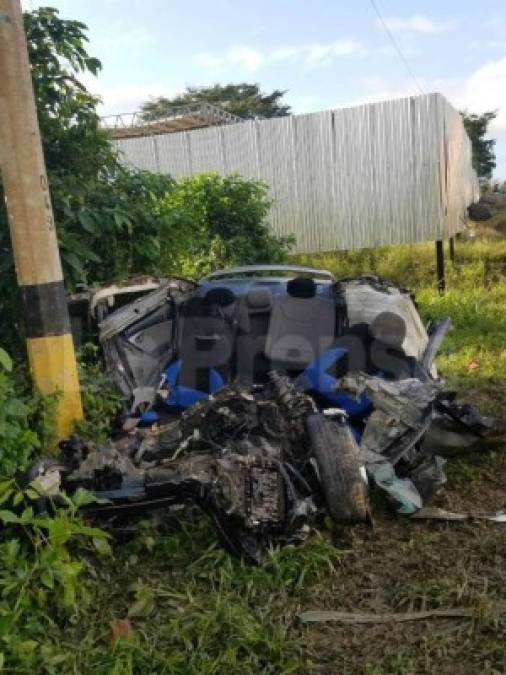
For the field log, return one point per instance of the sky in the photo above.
(325, 53)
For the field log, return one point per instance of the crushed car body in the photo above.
(269, 396)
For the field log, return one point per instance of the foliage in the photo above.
(104, 212)
(101, 401)
(26, 420)
(106, 222)
(244, 100)
(483, 148)
(140, 222)
(40, 577)
(110, 228)
(73, 143)
(214, 220)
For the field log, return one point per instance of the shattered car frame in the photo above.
(269, 395)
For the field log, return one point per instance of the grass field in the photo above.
(198, 611)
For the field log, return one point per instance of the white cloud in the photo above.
(124, 98)
(250, 59)
(317, 55)
(485, 89)
(417, 23)
(482, 90)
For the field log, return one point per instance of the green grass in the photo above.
(209, 614)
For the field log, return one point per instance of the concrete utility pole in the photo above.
(38, 267)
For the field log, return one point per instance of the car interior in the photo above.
(241, 336)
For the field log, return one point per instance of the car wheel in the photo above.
(343, 484)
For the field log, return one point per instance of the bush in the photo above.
(43, 559)
(27, 421)
(110, 228)
(212, 221)
(102, 402)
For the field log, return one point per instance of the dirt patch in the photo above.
(406, 566)
(402, 565)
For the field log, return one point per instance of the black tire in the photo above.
(336, 453)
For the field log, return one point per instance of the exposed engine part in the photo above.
(232, 454)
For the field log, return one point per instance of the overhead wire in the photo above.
(396, 46)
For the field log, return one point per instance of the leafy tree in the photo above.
(102, 210)
(244, 100)
(105, 221)
(72, 140)
(483, 148)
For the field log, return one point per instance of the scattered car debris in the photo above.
(321, 616)
(267, 396)
(435, 513)
(240, 455)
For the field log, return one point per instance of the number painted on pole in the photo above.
(47, 202)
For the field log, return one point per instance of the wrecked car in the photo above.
(267, 396)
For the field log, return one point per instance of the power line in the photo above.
(396, 46)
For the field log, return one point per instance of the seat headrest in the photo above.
(220, 296)
(301, 287)
(259, 298)
(389, 328)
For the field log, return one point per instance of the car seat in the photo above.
(252, 365)
(206, 343)
(302, 325)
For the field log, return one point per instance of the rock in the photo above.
(479, 211)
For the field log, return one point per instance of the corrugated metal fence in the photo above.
(382, 173)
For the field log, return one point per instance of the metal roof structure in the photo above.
(181, 118)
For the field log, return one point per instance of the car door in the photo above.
(140, 339)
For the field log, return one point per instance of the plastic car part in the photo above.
(139, 339)
(316, 378)
(182, 396)
(47, 473)
(437, 334)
